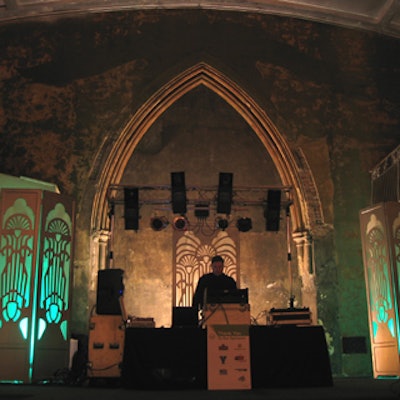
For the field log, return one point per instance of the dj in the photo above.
(215, 280)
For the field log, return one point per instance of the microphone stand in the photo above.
(289, 257)
(111, 238)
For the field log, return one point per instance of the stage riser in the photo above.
(284, 356)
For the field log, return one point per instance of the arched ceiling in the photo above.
(382, 16)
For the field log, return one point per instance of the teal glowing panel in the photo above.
(381, 266)
(56, 266)
(381, 301)
(16, 259)
(36, 242)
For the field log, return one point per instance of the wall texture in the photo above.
(69, 87)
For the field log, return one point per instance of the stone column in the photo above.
(303, 241)
(98, 254)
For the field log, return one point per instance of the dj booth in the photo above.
(173, 358)
(290, 352)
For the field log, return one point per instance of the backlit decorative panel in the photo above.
(16, 260)
(20, 211)
(56, 265)
(36, 241)
(53, 299)
(379, 281)
(380, 232)
(193, 253)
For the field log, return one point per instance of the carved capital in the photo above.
(101, 236)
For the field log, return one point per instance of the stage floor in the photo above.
(342, 388)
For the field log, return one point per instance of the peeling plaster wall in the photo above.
(69, 86)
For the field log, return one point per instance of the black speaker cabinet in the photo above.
(178, 192)
(224, 197)
(110, 288)
(131, 209)
(273, 210)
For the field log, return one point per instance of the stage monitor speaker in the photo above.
(106, 346)
(131, 203)
(224, 196)
(178, 192)
(273, 210)
(110, 288)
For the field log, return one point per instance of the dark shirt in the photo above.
(211, 282)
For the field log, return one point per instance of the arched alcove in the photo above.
(290, 164)
(252, 113)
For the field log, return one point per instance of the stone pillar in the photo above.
(103, 249)
(98, 254)
(303, 241)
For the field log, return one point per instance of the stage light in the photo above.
(181, 223)
(244, 224)
(222, 223)
(159, 223)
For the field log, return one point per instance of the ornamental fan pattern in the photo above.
(16, 253)
(56, 264)
(381, 302)
(17, 266)
(193, 255)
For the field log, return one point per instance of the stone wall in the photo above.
(69, 88)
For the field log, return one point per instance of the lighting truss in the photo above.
(160, 195)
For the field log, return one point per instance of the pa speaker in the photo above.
(273, 210)
(110, 288)
(224, 196)
(178, 192)
(131, 209)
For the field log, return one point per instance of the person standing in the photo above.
(213, 281)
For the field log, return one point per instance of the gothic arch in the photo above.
(291, 165)
(291, 174)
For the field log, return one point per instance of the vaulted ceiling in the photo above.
(382, 16)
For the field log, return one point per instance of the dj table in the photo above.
(170, 358)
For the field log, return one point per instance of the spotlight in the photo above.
(158, 223)
(181, 223)
(244, 224)
(222, 223)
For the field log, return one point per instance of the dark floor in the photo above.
(342, 388)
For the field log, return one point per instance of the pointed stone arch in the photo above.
(291, 165)
(203, 74)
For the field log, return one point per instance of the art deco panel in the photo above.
(36, 242)
(380, 231)
(193, 252)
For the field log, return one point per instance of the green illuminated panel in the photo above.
(56, 267)
(379, 281)
(16, 253)
(35, 282)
